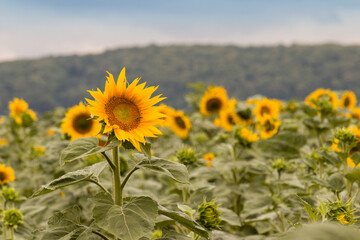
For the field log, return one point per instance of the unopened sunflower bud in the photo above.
(278, 164)
(186, 156)
(12, 218)
(345, 135)
(9, 194)
(209, 216)
(341, 212)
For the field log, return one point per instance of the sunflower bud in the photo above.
(278, 164)
(186, 156)
(9, 194)
(209, 216)
(345, 135)
(157, 234)
(12, 218)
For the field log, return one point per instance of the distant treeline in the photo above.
(281, 72)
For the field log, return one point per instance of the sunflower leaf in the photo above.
(133, 220)
(90, 173)
(174, 170)
(146, 149)
(83, 147)
(184, 220)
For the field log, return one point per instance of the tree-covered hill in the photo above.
(281, 72)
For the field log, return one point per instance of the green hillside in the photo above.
(282, 72)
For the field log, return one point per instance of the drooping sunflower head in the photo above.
(77, 123)
(18, 106)
(129, 111)
(348, 100)
(180, 124)
(6, 174)
(317, 94)
(268, 127)
(266, 107)
(213, 100)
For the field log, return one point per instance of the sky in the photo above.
(37, 28)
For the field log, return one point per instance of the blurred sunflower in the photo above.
(167, 111)
(318, 93)
(245, 137)
(266, 107)
(127, 110)
(17, 107)
(348, 100)
(243, 117)
(268, 127)
(227, 116)
(3, 141)
(213, 101)
(209, 157)
(6, 174)
(77, 123)
(180, 124)
(350, 163)
(354, 114)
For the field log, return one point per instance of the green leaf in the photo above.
(353, 175)
(83, 147)
(336, 182)
(184, 220)
(229, 217)
(174, 170)
(133, 220)
(146, 149)
(89, 173)
(356, 158)
(66, 225)
(313, 213)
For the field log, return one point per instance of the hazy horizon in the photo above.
(56, 28)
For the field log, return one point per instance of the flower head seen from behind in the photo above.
(77, 123)
(7, 174)
(129, 111)
(213, 101)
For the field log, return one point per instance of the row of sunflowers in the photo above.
(124, 166)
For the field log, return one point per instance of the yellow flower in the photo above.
(180, 124)
(39, 150)
(342, 219)
(32, 114)
(351, 163)
(209, 156)
(50, 131)
(268, 127)
(227, 116)
(6, 174)
(208, 163)
(355, 114)
(17, 107)
(245, 137)
(77, 123)
(3, 141)
(127, 110)
(318, 94)
(167, 111)
(213, 101)
(335, 145)
(266, 107)
(348, 100)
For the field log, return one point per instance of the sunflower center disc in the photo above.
(82, 124)
(347, 102)
(123, 112)
(2, 176)
(180, 122)
(268, 126)
(214, 104)
(264, 110)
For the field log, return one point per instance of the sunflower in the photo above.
(354, 114)
(318, 93)
(227, 116)
(350, 163)
(268, 127)
(209, 157)
(6, 174)
(213, 100)
(245, 137)
(77, 123)
(348, 100)
(243, 117)
(266, 107)
(17, 107)
(167, 111)
(3, 141)
(127, 110)
(180, 124)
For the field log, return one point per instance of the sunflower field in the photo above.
(121, 165)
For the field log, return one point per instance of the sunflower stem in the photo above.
(117, 181)
(109, 161)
